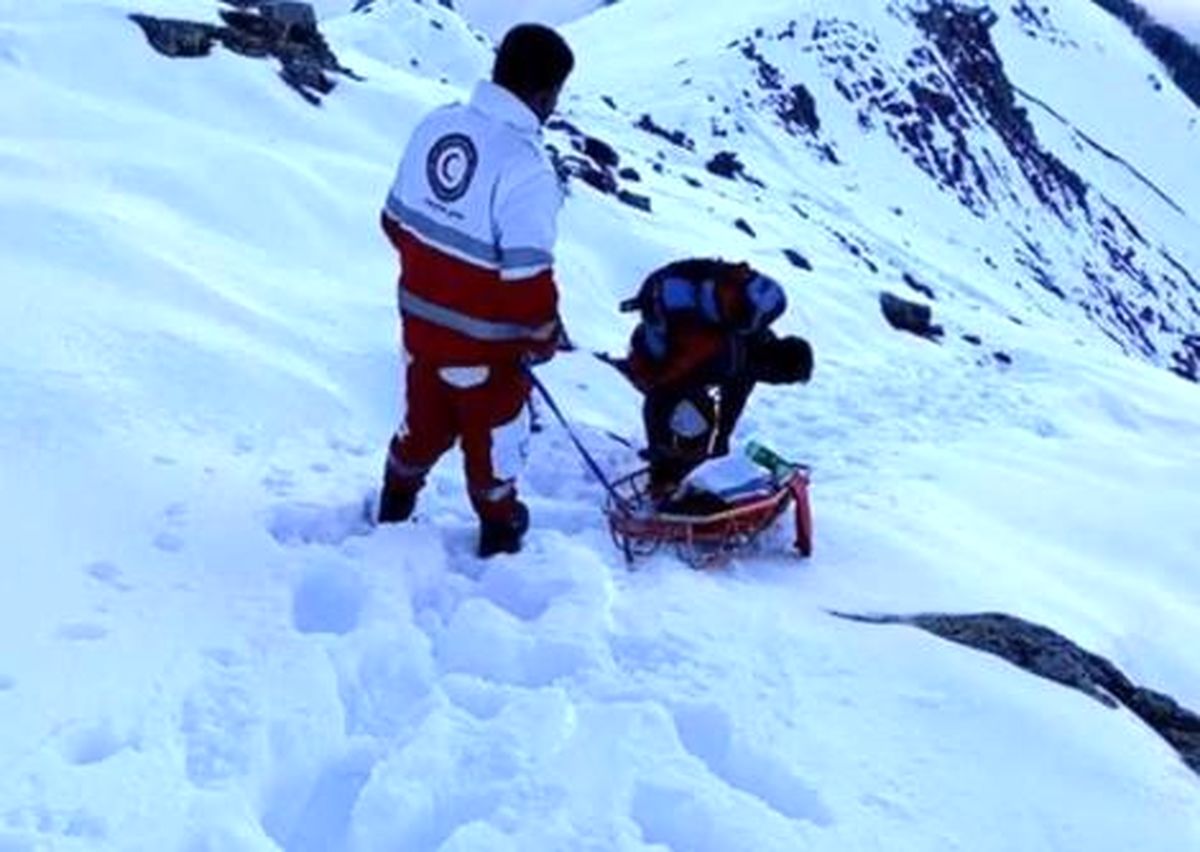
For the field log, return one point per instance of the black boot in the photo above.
(396, 506)
(504, 536)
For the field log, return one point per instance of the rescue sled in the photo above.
(642, 525)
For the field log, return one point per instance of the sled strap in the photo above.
(591, 462)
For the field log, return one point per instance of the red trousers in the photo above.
(484, 408)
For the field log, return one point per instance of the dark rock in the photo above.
(640, 202)
(963, 38)
(585, 170)
(727, 165)
(792, 102)
(797, 260)
(1003, 357)
(1187, 358)
(904, 315)
(594, 164)
(744, 226)
(1045, 653)
(856, 251)
(797, 109)
(924, 289)
(177, 38)
(257, 29)
(973, 339)
(768, 75)
(1179, 54)
(676, 137)
(601, 152)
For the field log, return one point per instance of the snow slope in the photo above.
(203, 647)
(495, 18)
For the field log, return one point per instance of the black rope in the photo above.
(583, 451)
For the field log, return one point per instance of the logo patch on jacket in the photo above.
(450, 166)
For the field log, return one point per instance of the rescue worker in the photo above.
(703, 343)
(472, 213)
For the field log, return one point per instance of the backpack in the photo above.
(703, 295)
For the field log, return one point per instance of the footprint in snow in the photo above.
(325, 819)
(92, 743)
(169, 542)
(175, 519)
(82, 631)
(222, 726)
(328, 599)
(485, 641)
(108, 574)
(525, 594)
(672, 818)
(280, 482)
(707, 734)
(295, 524)
(57, 828)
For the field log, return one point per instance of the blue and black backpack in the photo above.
(703, 294)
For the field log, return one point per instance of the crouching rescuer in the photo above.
(472, 213)
(703, 343)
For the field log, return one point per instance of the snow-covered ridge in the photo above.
(1071, 215)
(203, 646)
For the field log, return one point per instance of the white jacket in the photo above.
(473, 211)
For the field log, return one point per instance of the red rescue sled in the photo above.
(639, 528)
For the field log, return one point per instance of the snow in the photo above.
(203, 646)
(495, 18)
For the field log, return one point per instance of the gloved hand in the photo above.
(541, 351)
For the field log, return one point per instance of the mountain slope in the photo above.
(203, 645)
(915, 117)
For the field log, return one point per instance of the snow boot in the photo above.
(503, 536)
(396, 506)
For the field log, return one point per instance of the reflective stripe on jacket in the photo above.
(473, 213)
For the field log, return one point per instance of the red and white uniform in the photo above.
(472, 213)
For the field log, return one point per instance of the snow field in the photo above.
(203, 646)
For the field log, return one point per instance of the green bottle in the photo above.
(768, 458)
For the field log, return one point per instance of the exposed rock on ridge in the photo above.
(1045, 653)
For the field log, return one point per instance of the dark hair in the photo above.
(532, 58)
(782, 360)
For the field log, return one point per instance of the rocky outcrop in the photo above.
(962, 36)
(258, 29)
(596, 163)
(953, 110)
(912, 317)
(1045, 653)
(788, 99)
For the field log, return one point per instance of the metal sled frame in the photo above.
(703, 541)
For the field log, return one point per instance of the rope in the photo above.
(591, 462)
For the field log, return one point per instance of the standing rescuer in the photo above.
(472, 213)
